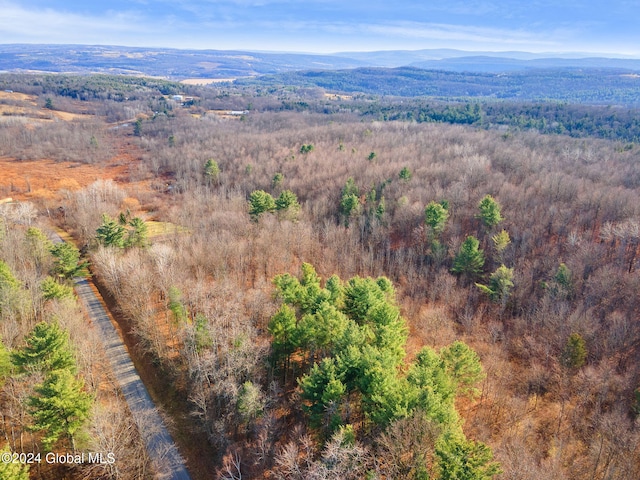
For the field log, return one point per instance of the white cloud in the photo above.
(465, 33)
(418, 35)
(21, 25)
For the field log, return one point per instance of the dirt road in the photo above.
(158, 441)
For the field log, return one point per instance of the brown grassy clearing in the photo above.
(46, 179)
(25, 180)
(23, 97)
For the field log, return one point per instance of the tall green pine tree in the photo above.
(46, 349)
(66, 263)
(435, 216)
(60, 407)
(470, 258)
(111, 233)
(489, 211)
(138, 235)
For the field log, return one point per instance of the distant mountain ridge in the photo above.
(500, 65)
(163, 62)
(401, 58)
(180, 64)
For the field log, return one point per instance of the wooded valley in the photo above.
(315, 289)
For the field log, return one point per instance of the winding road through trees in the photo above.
(157, 438)
(158, 442)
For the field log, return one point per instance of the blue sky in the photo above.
(325, 26)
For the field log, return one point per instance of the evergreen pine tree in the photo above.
(435, 216)
(575, 351)
(259, 203)
(66, 263)
(46, 349)
(470, 258)
(138, 235)
(60, 407)
(111, 233)
(12, 470)
(489, 211)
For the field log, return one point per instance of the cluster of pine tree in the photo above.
(344, 344)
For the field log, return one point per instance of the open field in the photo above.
(46, 178)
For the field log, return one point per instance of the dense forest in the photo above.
(605, 86)
(122, 97)
(342, 287)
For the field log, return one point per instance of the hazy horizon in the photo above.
(329, 26)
